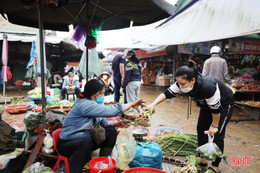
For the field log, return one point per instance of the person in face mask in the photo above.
(76, 140)
(105, 78)
(71, 82)
(216, 102)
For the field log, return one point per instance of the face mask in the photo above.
(187, 89)
(104, 76)
(71, 78)
(100, 100)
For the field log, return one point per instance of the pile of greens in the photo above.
(192, 166)
(56, 103)
(178, 144)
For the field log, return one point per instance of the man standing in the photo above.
(216, 66)
(71, 82)
(118, 69)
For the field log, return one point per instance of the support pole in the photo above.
(87, 31)
(42, 59)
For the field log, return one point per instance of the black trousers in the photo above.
(79, 150)
(64, 91)
(204, 122)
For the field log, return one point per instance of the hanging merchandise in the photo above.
(79, 35)
(91, 42)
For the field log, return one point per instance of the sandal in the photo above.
(211, 170)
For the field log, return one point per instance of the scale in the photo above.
(139, 132)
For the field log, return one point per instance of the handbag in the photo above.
(98, 133)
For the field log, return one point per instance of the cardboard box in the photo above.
(164, 80)
(164, 77)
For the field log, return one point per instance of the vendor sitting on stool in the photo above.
(105, 79)
(76, 140)
(71, 82)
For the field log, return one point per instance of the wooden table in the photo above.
(252, 92)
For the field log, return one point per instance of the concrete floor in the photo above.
(242, 137)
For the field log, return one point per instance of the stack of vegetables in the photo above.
(143, 119)
(192, 166)
(178, 144)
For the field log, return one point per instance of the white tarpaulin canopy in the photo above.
(207, 20)
(30, 38)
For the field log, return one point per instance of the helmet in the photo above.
(215, 49)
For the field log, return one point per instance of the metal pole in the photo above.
(42, 59)
(87, 44)
(86, 64)
(4, 38)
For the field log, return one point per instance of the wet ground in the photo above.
(242, 136)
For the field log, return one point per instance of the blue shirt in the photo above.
(115, 65)
(80, 120)
(132, 73)
(66, 83)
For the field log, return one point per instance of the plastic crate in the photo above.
(20, 139)
(253, 112)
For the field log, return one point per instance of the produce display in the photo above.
(247, 83)
(251, 103)
(143, 119)
(63, 103)
(192, 166)
(177, 144)
(166, 132)
(37, 109)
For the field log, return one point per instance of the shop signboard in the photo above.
(244, 47)
(251, 47)
(236, 46)
(198, 48)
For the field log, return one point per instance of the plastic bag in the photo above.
(48, 143)
(107, 163)
(210, 151)
(126, 147)
(38, 168)
(148, 155)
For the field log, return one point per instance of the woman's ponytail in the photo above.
(188, 71)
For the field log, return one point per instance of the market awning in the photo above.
(206, 20)
(29, 38)
(140, 54)
(114, 13)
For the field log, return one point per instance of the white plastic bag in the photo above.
(210, 150)
(48, 143)
(126, 147)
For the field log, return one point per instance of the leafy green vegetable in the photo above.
(192, 166)
(178, 144)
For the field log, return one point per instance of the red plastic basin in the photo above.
(15, 109)
(96, 170)
(143, 170)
